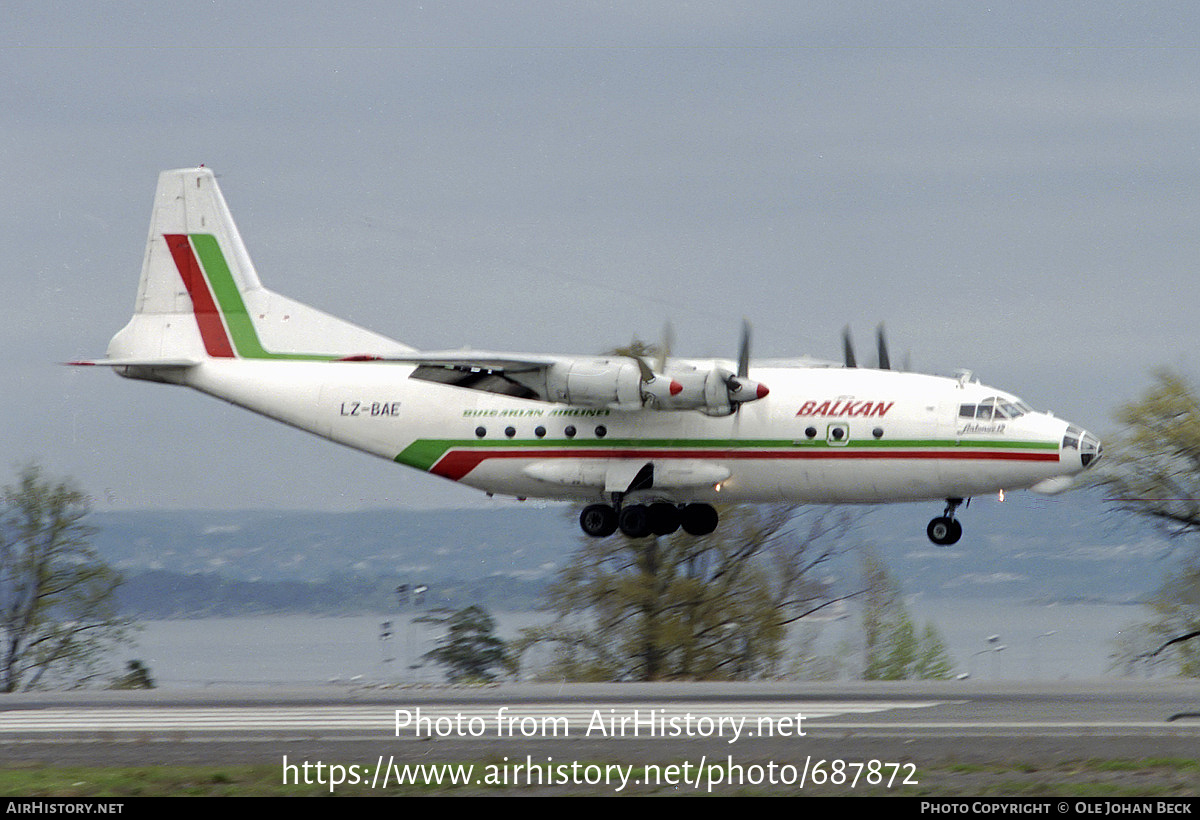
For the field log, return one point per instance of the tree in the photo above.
(880, 601)
(685, 608)
(137, 676)
(469, 650)
(933, 663)
(58, 615)
(1176, 606)
(893, 650)
(1152, 469)
(1170, 635)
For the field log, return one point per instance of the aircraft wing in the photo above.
(613, 381)
(796, 362)
(477, 359)
(618, 381)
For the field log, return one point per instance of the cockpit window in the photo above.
(994, 407)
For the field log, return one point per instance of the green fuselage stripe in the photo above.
(425, 453)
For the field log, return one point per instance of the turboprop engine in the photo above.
(715, 392)
(616, 382)
(629, 382)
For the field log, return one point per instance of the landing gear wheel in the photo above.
(634, 521)
(598, 520)
(664, 518)
(944, 531)
(699, 519)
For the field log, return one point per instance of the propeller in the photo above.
(646, 373)
(741, 388)
(656, 387)
(848, 348)
(715, 391)
(664, 349)
(884, 359)
(744, 351)
(639, 351)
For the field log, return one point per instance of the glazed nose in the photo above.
(1084, 443)
(1090, 449)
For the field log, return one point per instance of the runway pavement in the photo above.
(911, 723)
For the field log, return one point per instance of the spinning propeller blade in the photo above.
(885, 361)
(848, 348)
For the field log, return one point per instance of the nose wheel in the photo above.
(945, 530)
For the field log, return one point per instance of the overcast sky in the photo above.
(1012, 188)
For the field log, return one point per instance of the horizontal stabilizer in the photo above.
(130, 362)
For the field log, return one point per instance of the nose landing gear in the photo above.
(946, 530)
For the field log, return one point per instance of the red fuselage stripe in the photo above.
(456, 464)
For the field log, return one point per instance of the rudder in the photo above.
(200, 297)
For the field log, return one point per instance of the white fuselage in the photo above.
(824, 434)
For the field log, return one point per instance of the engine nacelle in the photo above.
(624, 382)
(715, 392)
(595, 383)
(743, 390)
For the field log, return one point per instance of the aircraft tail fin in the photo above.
(200, 297)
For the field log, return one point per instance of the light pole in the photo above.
(411, 597)
(971, 662)
(996, 663)
(385, 647)
(995, 648)
(1037, 666)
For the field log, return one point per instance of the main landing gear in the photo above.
(643, 520)
(946, 530)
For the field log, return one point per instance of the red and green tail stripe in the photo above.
(225, 325)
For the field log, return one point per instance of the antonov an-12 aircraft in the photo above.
(649, 446)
